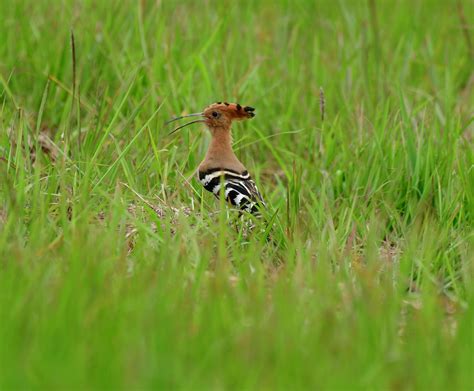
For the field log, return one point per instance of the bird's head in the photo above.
(218, 115)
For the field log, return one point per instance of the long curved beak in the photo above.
(183, 126)
(184, 116)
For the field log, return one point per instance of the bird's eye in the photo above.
(215, 114)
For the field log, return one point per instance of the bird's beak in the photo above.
(183, 126)
(184, 116)
(189, 123)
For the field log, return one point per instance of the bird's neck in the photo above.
(220, 153)
(221, 142)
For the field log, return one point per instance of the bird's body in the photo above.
(238, 188)
(221, 172)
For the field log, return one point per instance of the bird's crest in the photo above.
(233, 110)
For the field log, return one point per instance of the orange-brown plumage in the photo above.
(220, 165)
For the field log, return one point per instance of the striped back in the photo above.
(239, 188)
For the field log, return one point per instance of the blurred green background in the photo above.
(117, 270)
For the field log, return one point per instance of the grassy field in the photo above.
(118, 271)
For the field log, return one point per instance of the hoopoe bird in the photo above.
(220, 166)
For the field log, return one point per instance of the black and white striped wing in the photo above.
(239, 188)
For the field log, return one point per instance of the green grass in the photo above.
(118, 272)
